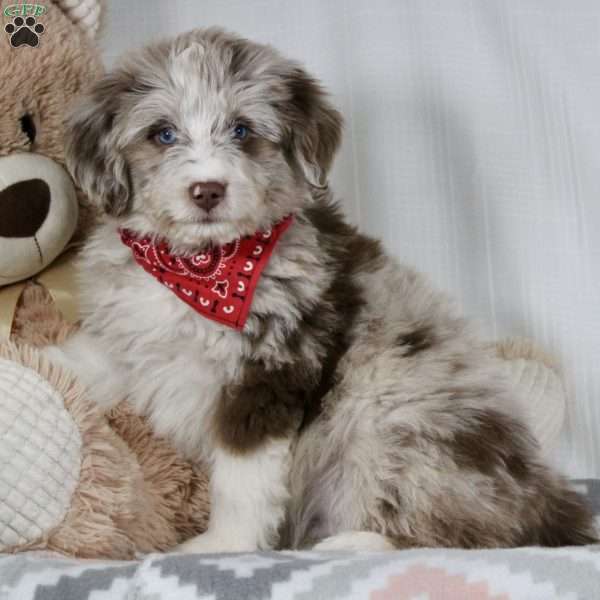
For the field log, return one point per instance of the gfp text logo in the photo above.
(24, 10)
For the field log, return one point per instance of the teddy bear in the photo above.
(72, 479)
(47, 56)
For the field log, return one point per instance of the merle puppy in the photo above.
(345, 404)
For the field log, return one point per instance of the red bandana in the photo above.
(219, 282)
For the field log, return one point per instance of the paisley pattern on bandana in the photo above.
(218, 282)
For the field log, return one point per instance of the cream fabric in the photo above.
(540, 392)
(40, 453)
(472, 147)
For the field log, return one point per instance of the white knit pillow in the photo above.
(40, 455)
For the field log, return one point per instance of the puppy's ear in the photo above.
(316, 127)
(92, 150)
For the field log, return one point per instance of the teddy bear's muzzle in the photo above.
(24, 207)
(38, 214)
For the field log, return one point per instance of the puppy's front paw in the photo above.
(211, 543)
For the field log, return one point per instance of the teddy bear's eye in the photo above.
(28, 127)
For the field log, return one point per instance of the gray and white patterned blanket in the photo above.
(431, 574)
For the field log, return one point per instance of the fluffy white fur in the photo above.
(249, 497)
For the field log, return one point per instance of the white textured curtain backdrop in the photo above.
(472, 147)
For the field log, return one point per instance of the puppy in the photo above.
(350, 406)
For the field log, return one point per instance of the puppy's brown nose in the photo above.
(207, 194)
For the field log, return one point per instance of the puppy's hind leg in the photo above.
(334, 498)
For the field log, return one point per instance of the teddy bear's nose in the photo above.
(24, 207)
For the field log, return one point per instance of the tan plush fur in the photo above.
(136, 493)
(65, 63)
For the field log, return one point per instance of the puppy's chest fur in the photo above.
(176, 363)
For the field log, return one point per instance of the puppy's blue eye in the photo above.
(240, 132)
(166, 136)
